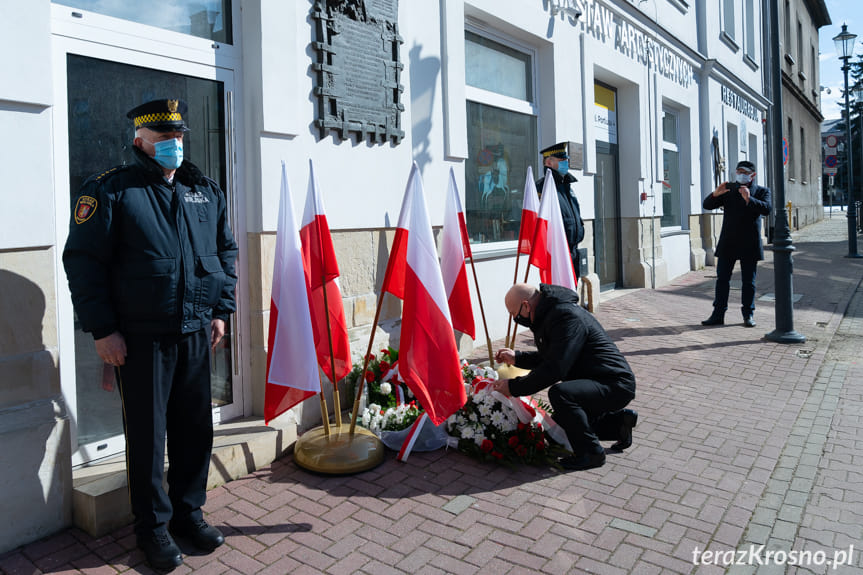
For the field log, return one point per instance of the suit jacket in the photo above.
(740, 237)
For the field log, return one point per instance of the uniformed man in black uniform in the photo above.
(556, 159)
(589, 381)
(150, 262)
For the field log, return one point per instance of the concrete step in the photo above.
(100, 498)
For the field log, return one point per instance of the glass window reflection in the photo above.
(502, 145)
(209, 19)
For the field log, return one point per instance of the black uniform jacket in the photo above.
(570, 345)
(569, 208)
(740, 237)
(148, 256)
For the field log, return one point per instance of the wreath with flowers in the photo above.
(493, 427)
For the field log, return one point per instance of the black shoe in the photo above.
(201, 534)
(714, 319)
(629, 419)
(583, 461)
(161, 551)
(749, 321)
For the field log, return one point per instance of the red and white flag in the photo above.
(550, 250)
(529, 211)
(322, 278)
(428, 358)
(455, 247)
(292, 376)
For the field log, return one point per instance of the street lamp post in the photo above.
(845, 49)
(858, 97)
(782, 244)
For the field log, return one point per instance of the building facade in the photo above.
(799, 22)
(658, 100)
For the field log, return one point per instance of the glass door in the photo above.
(606, 195)
(92, 134)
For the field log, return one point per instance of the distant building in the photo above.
(801, 106)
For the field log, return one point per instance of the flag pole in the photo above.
(482, 313)
(511, 343)
(366, 364)
(337, 407)
(514, 280)
(325, 416)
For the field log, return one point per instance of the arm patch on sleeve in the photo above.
(85, 208)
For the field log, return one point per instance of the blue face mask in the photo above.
(563, 167)
(169, 153)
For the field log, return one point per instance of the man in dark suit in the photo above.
(744, 203)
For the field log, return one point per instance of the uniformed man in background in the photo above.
(556, 159)
(150, 263)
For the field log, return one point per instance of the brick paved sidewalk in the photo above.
(739, 441)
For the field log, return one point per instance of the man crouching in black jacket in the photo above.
(589, 381)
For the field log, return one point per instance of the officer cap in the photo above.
(557, 151)
(746, 165)
(160, 116)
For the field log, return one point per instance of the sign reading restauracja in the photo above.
(614, 30)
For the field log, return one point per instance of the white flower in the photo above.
(478, 439)
(466, 432)
(485, 409)
(498, 419)
(367, 418)
(375, 408)
(386, 388)
(473, 417)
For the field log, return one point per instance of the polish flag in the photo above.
(550, 250)
(529, 210)
(428, 358)
(322, 277)
(455, 247)
(292, 376)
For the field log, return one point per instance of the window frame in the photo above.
(488, 250)
(675, 147)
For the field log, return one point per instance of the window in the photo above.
(671, 212)
(497, 68)
(209, 19)
(791, 151)
(728, 18)
(800, 48)
(787, 39)
(802, 154)
(501, 137)
(750, 29)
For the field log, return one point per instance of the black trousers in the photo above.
(165, 389)
(724, 267)
(588, 410)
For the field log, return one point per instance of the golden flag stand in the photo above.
(337, 450)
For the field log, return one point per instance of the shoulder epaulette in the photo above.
(103, 175)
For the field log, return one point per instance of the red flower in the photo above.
(486, 446)
(540, 446)
(370, 357)
(521, 450)
(370, 376)
(521, 427)
(513, 441)
(497, 455)
(539, 426)
(384, 367)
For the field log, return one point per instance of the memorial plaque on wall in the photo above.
(358, 69)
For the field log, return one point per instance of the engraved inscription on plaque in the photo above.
(358, 69)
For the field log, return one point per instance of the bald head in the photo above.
(517, 295)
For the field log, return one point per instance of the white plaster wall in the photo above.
(25, 122)
(675, 252)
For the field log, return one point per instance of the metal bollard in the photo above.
(788, 207)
